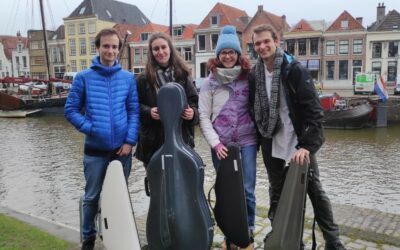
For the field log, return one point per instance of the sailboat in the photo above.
(24, 96)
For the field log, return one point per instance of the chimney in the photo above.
(359, 20)
(283, 22)
(260, 8)
(380, 12)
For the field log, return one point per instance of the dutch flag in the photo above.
(380, 89)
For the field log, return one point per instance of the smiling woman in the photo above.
(163, 65)
(225, 117)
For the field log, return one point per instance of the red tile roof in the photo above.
(301, 26)
(188, 32)
(265, 17)
(148, 28)
(353, 24)
(123, 28)
(229, 16)
(10, 43)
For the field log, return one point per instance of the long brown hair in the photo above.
(214, 63)
(181, 70)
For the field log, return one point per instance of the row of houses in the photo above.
(333, 52)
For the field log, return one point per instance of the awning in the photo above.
(313, 64)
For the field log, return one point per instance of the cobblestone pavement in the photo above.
(360, 228)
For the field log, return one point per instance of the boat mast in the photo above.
(45, 39)
(170, 18)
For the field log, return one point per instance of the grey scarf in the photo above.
(225, 75)
(267, 111)
(164, 76)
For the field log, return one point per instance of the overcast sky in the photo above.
(24, 14)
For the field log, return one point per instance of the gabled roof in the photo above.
(353, 24)
(302, 26)
(111, 11)
(228, 16)
(59, 34)
(268, 18)
(388, 23)
(148, 28)
(10, 43)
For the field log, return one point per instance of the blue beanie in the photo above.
(228, 39)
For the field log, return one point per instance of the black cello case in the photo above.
(230, 209)
(178, 217)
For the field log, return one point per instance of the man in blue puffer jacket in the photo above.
(110, 121)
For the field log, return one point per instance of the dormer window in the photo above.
(214, 20)
(344, 24)
(144, 36)
(82, 10)
(178, 31)
(108, 13)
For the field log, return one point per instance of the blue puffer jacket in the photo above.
(109, 98)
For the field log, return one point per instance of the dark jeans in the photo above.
(322, 206)
(95, 168)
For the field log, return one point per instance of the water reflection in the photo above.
(41, 168)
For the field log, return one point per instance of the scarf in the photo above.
(164, 76)
(225, 76)
(267, 111)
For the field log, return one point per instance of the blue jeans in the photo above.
(95, 168)
(249, 156)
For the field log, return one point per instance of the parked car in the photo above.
(198, 82)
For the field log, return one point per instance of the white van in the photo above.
(69, 76)
(364, 83)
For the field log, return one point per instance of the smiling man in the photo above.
(110, 121)
(288, 117)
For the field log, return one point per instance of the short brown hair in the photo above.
(107, 32)
(265, 27)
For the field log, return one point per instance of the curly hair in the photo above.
(214, 63)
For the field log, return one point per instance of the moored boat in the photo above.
(342, 114)
(25, 94)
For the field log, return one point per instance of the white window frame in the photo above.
(82, 46)
(82, 28)
(357, 46)
(212, 45)
(330, 47)
(71, 29)
(72, 47)
(343, 47)
(198, 42)
(92, 28)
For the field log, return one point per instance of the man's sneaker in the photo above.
(334, 246)
(88, 244)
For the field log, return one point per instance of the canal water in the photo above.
(41, 168)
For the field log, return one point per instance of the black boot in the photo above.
(88, 244)
(334, 246)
